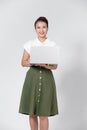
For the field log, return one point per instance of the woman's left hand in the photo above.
(47, 66)
(42, 65)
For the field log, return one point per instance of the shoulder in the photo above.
(51, 42)
(54, 44)
(31, 43)
(28, 45)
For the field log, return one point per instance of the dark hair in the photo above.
(42, 19)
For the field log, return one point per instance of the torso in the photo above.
(37, 42)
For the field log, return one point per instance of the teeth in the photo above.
(41, 33)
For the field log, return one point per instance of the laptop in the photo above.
(44, 55)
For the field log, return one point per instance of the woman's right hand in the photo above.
(25, 62)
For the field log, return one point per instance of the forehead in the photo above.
(41, 23)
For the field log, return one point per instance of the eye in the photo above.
(44, 26)
(38, 27)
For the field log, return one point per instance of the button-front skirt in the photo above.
(39, 93)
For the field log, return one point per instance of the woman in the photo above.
(38, 97)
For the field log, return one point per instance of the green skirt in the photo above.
(39, 93)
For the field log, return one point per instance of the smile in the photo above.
(41, 33)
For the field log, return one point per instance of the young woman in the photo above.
(38, 97)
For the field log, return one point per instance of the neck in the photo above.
(42, 39)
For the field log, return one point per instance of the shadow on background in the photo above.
(74, 95)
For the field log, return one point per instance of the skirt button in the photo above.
(39, 89)
(40, 71)
(40, 77)
(38, 101)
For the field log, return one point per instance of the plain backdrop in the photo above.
(68, 28)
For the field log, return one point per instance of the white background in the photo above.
(68, 28)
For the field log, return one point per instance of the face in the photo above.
(41, 29)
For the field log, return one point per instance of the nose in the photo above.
(41, 29)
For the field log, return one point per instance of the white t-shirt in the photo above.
(37, 42)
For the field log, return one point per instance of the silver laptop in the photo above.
(44, 55)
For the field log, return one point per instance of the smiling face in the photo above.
(41, 29)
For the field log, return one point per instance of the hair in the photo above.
(41, 19)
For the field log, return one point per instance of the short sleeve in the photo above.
(27, 47)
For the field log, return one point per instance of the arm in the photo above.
(25, 59)
(52, 67)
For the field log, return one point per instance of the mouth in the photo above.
(41, 33)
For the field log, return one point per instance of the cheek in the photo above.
(45, 30)
(37, 30)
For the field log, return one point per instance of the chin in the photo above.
(42, 36)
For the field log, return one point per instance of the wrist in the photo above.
(47, 66)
